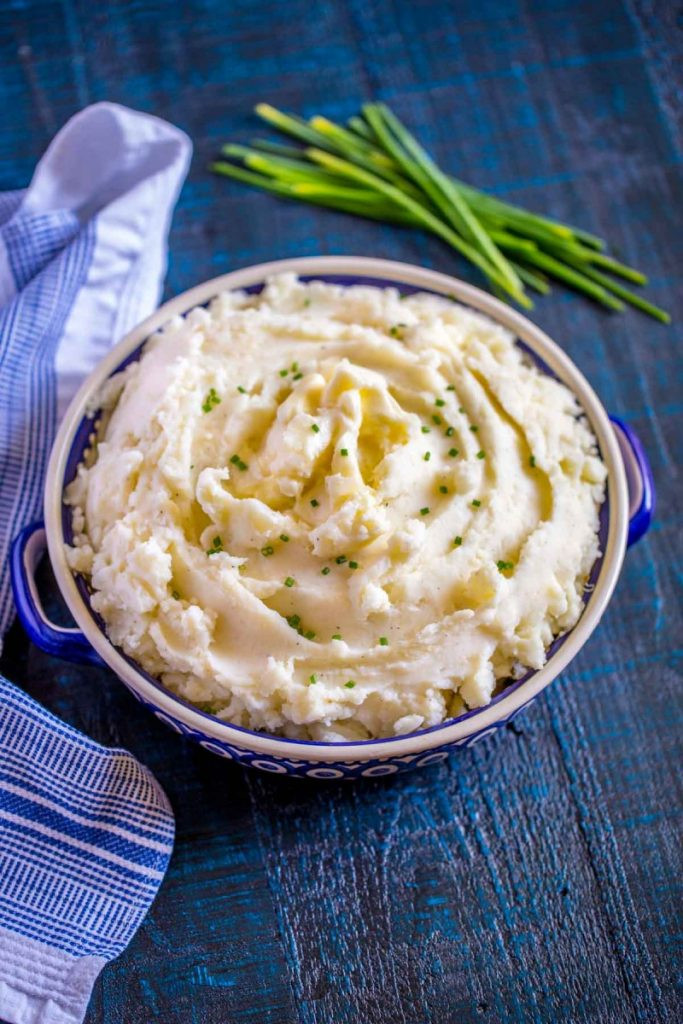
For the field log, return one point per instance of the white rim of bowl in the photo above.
(400, 273)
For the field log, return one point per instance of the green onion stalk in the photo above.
(373, 167)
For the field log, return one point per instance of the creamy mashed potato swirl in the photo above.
(336, 513)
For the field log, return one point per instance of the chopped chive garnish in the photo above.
(315, 428)
(294, 621)
(461, 408)
(311, 680)
(383, 641)
(481, 454)
(452, 452)
(336, 636)
(437, 420)
(283, 373)
(297, 376)
(353, 565)
(449, 431)
(175, 595)
(532, 461)
(505, 566)
(216, 546)
(426, 430)
(325, 571)
(439, 402)
(289, 582)
(474, 429)
(340, 559)
(242, 465)
(427, 456)
(424, 511)
(284, 537)
(457, 542)
(395, 331)
(443, 489)
(295, 367)
(344, 451)
(267, 550)
(234, 459)
(314, 502)
(210, 401)
(350, 684)
(241, 390)
(476, 502)
(451, 387)
(309, 634)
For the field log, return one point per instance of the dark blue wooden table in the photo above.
(537, 877)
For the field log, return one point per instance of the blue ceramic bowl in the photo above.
(625, 516)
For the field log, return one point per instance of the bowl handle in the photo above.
(641, 485)
(60, 641)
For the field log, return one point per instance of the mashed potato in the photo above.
(336, 513)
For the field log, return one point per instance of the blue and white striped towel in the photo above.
(85, 832)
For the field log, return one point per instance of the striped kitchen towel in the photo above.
(85, 832)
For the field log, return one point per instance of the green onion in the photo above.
(350, 684)
(383, 641)
(481, 455)
(437, 420)
(476, 502)
(284, 537)
(452, 452)
(336, 636)
(424, 511)
(418, 165)
(443, 489)
(426, 430)
(344, 451)
(353, 565)
(315, 428)
(210, 401)
(267, 550)
(451, 387)
(457, 542)
(340, 559)
(241, 390)
(440, 402)
(289, 582)
(449, 431)
(325, 571)
(427, 456)
(375, 168)
(312, 679)
(216, 546)
(532, 461)
(314, 502)
(175, 595)
(505, 566)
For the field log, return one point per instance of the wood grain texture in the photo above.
(535, 878)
